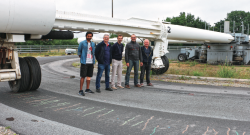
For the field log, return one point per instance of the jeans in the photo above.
(132, 64)
(147, 67)
(101, 68)
(116, 66)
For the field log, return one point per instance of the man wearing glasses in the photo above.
(132, 56)
(103, 55)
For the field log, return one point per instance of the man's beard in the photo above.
(88, 39)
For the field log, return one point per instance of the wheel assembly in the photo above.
(22, 84)
(182, 57)
(35, 73)
(164, 69)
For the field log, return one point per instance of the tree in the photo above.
(187, 20)
(238, 17)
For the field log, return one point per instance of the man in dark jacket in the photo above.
(132, 57)
(103, 55)
(147, 54)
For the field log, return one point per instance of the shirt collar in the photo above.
(105, 43)
(118, 43)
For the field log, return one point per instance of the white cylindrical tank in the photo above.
(27, 16)
(113, 40)
(193, 34)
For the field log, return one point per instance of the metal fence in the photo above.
(179, 47)
(44, 48)
(49, 48)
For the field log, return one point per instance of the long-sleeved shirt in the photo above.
(117, 50)
(133, 52)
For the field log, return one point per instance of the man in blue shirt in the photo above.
(103, 55)
(147, 54)
(86, 52)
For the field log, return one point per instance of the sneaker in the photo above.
(81, 93)
(89, 91)
(120, 87)
(108, 89)
(150, 84)
(127, 86)
(114, 88)
(142, 85)
(98, 90)
(138, 85)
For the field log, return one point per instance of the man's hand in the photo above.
(79, 56)
(141, 64)
(127, 64)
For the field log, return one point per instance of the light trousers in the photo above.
(116, 67)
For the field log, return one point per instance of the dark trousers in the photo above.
(146, 67)
(101, 68)
(132, 64)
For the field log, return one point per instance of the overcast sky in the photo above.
(211, 10)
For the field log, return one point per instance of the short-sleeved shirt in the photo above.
(89, 59)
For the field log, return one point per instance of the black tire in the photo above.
(35, 73)
(165, 62)
(162, 70)
(22, 84)
(182, 57)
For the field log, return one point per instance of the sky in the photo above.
(211, 10)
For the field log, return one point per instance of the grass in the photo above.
(76, 64)
(7, 127)
(228, 72)
(184, 78)
(197, 73)
(42, 54)
(199, 69)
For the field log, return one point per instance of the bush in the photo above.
(227, 72)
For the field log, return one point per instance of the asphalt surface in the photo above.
(166, 108)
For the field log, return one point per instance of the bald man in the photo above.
(147, 54)
(132, 57)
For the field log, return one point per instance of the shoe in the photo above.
(114, 88)
(138, 85)
(142, 85)
(98, 90)
(81, 93)
(89, 91)
(108, 89)
(120, 87)
(127, 86)
(150, 84)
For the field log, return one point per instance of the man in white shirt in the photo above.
(86, 52)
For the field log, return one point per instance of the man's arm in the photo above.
(152, 51)
(80, 50)
(112, 49)
(97, 50)
(140, 56)
(126, 56)
(122, 47)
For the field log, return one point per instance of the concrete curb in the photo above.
(211, 78)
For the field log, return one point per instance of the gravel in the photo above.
(6, 131)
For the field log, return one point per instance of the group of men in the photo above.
(105, 54)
